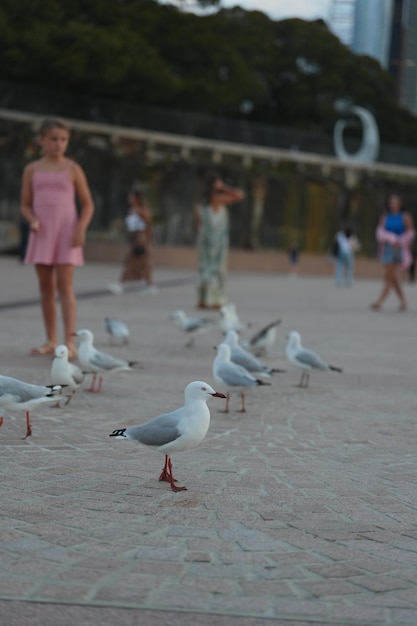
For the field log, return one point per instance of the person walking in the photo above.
(57, 232)
(346, 244)
(137, 264)
(395, 234)
(212, 222)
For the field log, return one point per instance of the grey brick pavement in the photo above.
(302, 510)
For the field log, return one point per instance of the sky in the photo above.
(281, 9)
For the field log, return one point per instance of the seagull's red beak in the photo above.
(218, 395)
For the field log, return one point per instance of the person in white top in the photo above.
(137, 265)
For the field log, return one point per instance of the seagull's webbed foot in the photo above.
(1, 421)
(176, 488)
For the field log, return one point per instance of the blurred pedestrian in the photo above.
(212, 220)
(57, 233)
(293, 258)
(346, 244)
(137, 264)
(395, 234)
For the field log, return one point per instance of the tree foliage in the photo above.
(287, 72)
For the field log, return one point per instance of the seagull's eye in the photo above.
(203, 388)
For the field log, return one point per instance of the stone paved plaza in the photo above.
(301, 511)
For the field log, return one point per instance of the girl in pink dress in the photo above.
(57, 233)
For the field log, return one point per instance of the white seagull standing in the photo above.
(18, 395)
(192, 326)
(306, 359)
(96, 362)
(178, 430)
(230, 319)
(262, 341)
(242, 357)
(232, 376)
(117, 330)
(65, 373)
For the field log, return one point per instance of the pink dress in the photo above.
(54, 206)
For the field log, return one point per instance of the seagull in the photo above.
(230, 319)
(193, 326)
(261, 343)
(18, 395)
(96, 362)
(242, 357)
(117, 330)
(178, 430)
(306, 359)
(232, 376)
(65, 373)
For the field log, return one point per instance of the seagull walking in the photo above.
(307, 360)
(232, 376)
(176, 431)
(96, 362)
(262, 341)
(242, 357)
(192, 326)
(65, 373)
(117, 330)
(18, 395)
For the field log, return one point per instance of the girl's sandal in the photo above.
(72, 352)
(47, 349)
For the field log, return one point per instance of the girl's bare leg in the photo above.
(46, 280)
(65, 275)
(388, 284)
(396, 283)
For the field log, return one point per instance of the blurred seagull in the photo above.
(192, 326)
(117, 330)
(18, 395)
(96, 362)
(65, 373)
(261, 343)
(306, 359)
(242, 357)
(232, 376)
(230, 319)
(178, 430)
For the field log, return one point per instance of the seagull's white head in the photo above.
(178, 315)
(200, 390)
(85, 335)
(294, 339)
(232, 338)
(223, 351)
(61, 352)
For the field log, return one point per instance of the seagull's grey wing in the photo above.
(106, 361)
(21, 391)
(246, 360)
(157, 432)
(235, 375)
(263, 332)
(310, 359)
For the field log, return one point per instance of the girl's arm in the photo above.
(226, 194)
(87, 206)
(27, 199)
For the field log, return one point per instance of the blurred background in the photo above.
(160, 93)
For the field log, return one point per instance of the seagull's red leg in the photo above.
(243, 408)
(174, 487)
(92, 384)
(28, 426)
(100, 380)
(164, 474)
(1, 421)
(226, 409)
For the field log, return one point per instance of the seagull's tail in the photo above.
(134, 364)
(335, 369)
(119, 433)
(56, 390)
(261, 382)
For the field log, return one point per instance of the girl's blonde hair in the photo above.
(50, 123)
